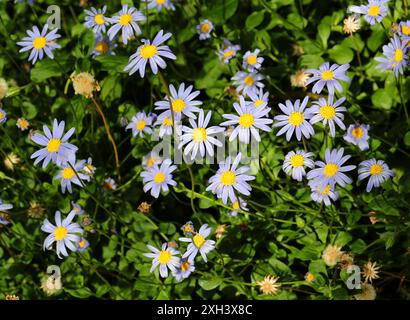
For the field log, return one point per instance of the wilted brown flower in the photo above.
(4, 88)
(368, 292)
(346, 260)
(351, 25)
(144, 208)
(11, 160)
(331, 255)
(220, 230)
(268, 285)
(299, 79)
(35, 211)
(297, 50)
(370, 271)
(85, 84)
(51, 285)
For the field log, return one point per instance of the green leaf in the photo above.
(254, 19)
(45, 69)
(221, 10)
(210, 283)
(359, 246)
(324, 32)
(376, 39)
(111, 88)
(341, 54)
(112, 63)
(81, 293)
(382, 99)
(407, 138)
(311, 60)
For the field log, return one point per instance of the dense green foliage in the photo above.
(284, 233)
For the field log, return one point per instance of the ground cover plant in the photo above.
(193, 149)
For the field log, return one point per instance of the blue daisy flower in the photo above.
(96, 20)
(294, 119)
(331, 172)
(3, 212)
(151, 53)
(247, 121)
(329, 112)
(229, 178)
(72, 174)
(3, 116)
(103, 45)
(328, 76)
(357, 134)
(204, 29)
(56, 148)
(159, 4)
(158, 178)
(377, 170)
(126, 21)
(199, 243)
(373, 12)
(39, 43)
(183, 270)
(395, 56)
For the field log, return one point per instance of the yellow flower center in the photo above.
(184, 265)
(258, 103)
(296, 118)
(150, 162)
(330, 170)
(167, 121)
(68, 173)
(376, 169)
(310, 277)
(81, 244)
(252, 60)
(178, 105)
(141, 125)
(125, 19)
(23, 123)
(248, 80)
(374, 11)
(164, 257)
(398, 55)
(205, 28)
(60, 233)
(148, 51)
(357, 132)
(228, 178)
(326, 190)
(198, 240)
(188, 228)
(39, 42)
(327, 75)
(160, 1)
(297, 160)
(101, 47)
(53, 145)
(327, 112)
(1, 115)
(228, 53)
(159, 177)
(405, 30)
(246, 120)
(199, 134)
(236, 205)
(90, 168)
(99, 19)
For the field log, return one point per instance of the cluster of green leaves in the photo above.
(284, 233)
